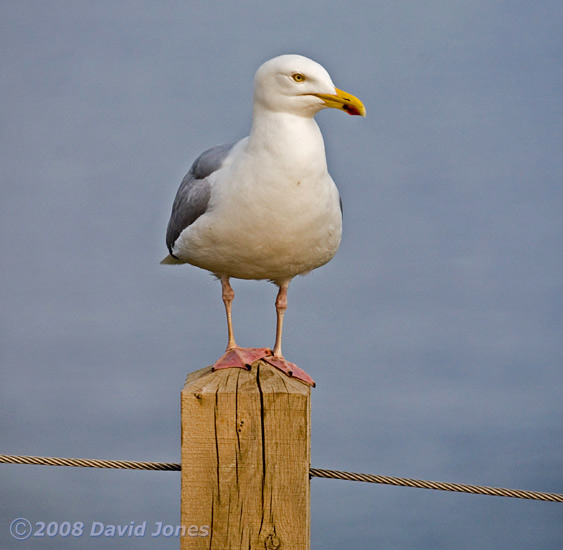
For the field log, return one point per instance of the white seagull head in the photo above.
(298, 85)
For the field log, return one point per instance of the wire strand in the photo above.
(314, 472)
(438, 485)
(89, 463)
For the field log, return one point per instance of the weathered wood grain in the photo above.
(245, 460)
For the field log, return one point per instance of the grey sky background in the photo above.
(435, 335)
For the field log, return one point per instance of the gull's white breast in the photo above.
(270, 216)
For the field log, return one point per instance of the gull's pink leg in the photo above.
(234, 356)
(278, 360)
(228, 297)
(281, 306)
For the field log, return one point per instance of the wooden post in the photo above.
(245, 460)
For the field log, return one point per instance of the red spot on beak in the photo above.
(351, 110)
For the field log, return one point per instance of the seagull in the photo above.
(265, 207)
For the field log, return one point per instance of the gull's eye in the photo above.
(298, 77)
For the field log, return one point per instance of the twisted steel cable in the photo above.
(314, 472)
(89, 463)
(438, 485)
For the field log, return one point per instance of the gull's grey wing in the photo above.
(193, 195)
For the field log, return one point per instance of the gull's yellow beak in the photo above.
(343, 101)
